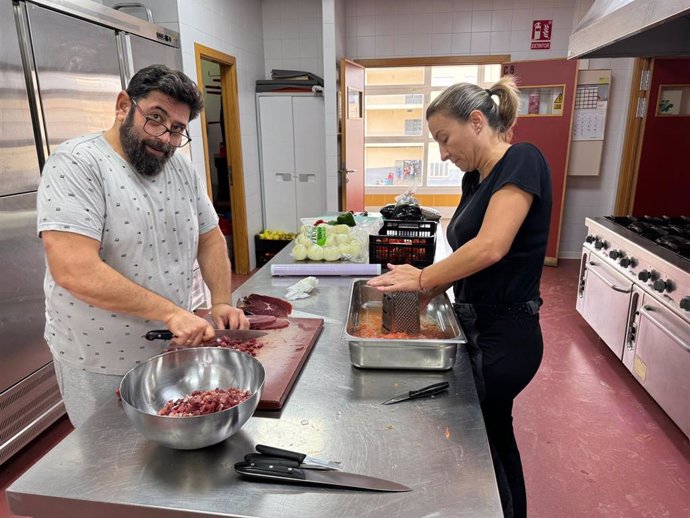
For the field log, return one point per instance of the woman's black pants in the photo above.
(505, 350)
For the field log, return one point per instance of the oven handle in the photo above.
(648, 311)
(608, 282)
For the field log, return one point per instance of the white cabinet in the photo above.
(293, 158)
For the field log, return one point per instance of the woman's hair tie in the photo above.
(488, 91)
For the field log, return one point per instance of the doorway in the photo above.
(217, 78)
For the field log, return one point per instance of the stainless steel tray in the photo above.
(409, 354)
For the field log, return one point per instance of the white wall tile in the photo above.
(520, 41)
(460, 43)
(440, 44)
(366, 47)
(481, 21)
(386, 7)
(421, 44)
(289, 28)
(385, 46)
(351, 27)
(385, 25)
(273, 49)
(290, 48)
(442, 23)
(522, 20)
(500, 42)
(442, 6)
(403, 45)
(462, 21)
(501, 21)
(481, 43)
(366, 26)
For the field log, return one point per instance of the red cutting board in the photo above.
(283, 355)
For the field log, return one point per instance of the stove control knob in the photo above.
(590, 239)
(685, 303)
(599, 244)
(644, 275)
(661, 285)
(615, 254)
(628, 261)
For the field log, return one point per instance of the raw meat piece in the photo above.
(260, 321)
(201, 402)
(249, 346)
(255, 304)
(279, 323)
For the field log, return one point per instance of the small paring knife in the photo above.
(422, 392)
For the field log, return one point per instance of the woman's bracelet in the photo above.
(420, 279)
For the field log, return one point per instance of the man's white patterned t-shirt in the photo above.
(148, 229)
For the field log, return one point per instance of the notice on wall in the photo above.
(589, 116)
(541, 34)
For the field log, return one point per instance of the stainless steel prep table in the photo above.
(436, 446)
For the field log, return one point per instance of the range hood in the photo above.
(632, 28)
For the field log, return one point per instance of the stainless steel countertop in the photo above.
(437, 446)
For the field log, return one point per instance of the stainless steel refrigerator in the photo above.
(62, 64)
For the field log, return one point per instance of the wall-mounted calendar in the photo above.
(589, 121)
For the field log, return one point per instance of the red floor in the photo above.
(593, 442)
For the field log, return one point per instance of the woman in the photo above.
(498, 235)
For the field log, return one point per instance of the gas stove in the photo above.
(651, 251)
(634, 292)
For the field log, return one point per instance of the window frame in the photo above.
(426, 90)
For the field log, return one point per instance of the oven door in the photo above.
(605, 303)
(662, 360)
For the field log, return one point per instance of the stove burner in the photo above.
(678, 244)
(673, 233)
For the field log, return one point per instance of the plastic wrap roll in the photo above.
(324, 269)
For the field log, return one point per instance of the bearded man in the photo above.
(123, 217)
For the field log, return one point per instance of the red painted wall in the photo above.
(663, 182)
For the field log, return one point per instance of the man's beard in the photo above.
(143, 161)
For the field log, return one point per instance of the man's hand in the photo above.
(189, 330)
(226, 316)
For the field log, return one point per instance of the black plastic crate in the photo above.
(404, 242)
(267, 248)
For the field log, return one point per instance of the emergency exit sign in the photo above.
(541, 34)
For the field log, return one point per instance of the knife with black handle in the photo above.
(301, 458)
(281, 473)
(431, 390)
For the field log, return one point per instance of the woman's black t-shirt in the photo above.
(515, 278)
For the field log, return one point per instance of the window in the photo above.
(399, 150)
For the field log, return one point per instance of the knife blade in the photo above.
(422, 392)
(301, 458)
(235, 334)
(281, 473)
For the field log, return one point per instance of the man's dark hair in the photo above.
(173, 83)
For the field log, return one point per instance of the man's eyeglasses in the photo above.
(156, 128)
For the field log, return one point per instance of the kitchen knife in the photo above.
(301, 458)
(234, 334)
(281, 473)
(422, 392)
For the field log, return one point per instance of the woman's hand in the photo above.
(402, 277)
(226, 316)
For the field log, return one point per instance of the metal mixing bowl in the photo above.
(148, 387)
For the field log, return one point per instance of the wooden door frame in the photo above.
(632, 140)
(231, 122)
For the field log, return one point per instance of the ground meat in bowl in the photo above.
(202, 402)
